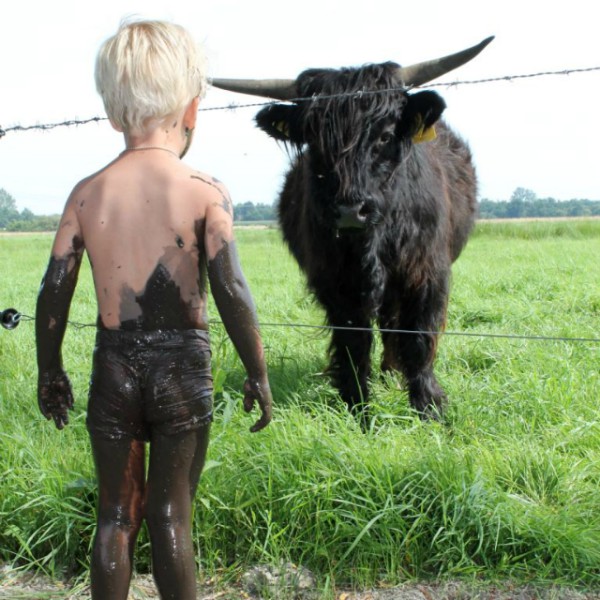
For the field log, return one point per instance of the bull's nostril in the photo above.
(350, 217)
(364, 211)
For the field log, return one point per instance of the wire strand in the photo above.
(510, 336)
(236, 106)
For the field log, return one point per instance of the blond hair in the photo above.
(147, 71)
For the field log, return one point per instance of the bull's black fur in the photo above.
(411, 205)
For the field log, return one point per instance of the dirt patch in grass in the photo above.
(17, 584)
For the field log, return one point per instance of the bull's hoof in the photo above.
(427, 397)
(434, 411)
(432, 408)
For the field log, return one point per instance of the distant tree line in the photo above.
(522, 204)
(525, 204)
(248, 211)
(11, 219)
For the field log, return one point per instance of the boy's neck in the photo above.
(159, 138)
(165, 149)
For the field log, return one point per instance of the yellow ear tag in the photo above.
(425, 135)
(283, 128)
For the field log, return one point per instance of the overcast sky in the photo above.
(539, 133)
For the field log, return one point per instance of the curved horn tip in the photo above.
(487, 40)
(477, 48)
(421, 73)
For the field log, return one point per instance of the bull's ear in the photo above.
(421, 112)
(278, 121)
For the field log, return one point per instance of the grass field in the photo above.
(507, 488)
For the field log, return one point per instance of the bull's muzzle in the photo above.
(356, 216)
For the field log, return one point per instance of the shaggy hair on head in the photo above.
(147, 71)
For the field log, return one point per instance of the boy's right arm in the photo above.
(55, 396)
(235, 305)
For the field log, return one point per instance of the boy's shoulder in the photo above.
(195, 185)
(88, 183)
(82, 189)
(204, 179)
(214, 189)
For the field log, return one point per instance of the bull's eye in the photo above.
(320, 176)
(387, 137)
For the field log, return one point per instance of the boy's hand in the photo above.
(261, 392)
(55, 396)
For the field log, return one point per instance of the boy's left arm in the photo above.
(235, 304)
(55, 396)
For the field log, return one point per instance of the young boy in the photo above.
(154, 231)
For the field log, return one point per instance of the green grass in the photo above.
(506, 488)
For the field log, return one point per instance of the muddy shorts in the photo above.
(146, 382)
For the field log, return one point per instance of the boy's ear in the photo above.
(421, 112)
(191, 113)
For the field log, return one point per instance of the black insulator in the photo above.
(10, 318)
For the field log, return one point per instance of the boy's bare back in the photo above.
(149, 224)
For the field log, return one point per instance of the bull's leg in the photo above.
(417, 356)
(350, 361)
(414, 353)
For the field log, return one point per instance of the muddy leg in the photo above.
(120, 473)
(176, 462)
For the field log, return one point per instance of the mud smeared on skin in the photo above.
(152, 381)
(145, 383)
(226, 203)
(236, 307)
(172, 296)
(165, 501)
(148, 386)
(55, 396)
(161, 305)
(56, 291)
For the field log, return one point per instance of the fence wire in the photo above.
(237, 106)
(509, 336)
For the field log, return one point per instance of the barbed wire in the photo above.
(46, 126)
(510, 336)
(510, 78)
(237, 106)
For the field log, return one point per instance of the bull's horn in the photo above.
(280, 89)
(421, 73)
(285, 89)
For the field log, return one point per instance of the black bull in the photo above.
(375, 211)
